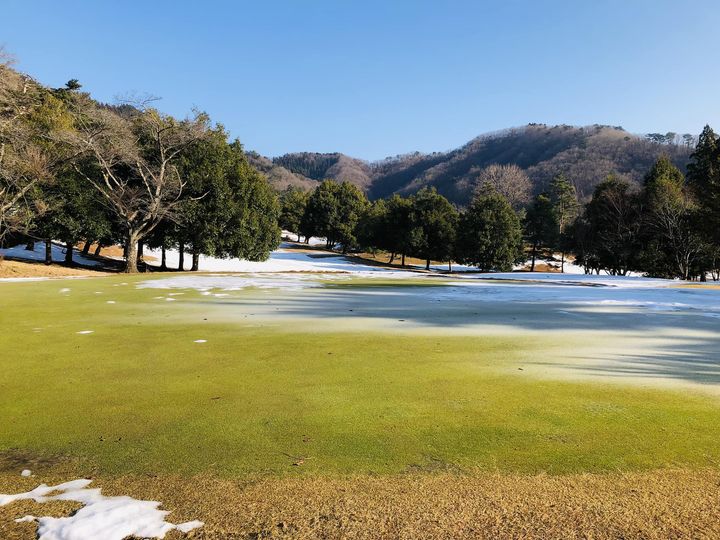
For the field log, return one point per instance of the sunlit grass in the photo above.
(139, 395)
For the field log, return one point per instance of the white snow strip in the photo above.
(85, 331)
(26, 472)
(109, 518)
(38, 254)
(110, 302)
(200, 341)
(288, 258)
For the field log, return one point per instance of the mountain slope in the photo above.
(585, 155)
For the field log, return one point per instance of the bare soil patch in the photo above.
(649, 505)
(18, 269)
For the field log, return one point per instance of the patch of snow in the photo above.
(26, 472)
(200, 341)
(555, 278)
(85, 331)
(64, 291)
(110, 302)
(38, 254)
(285, 259)
(109, 518)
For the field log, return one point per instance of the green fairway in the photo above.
(139, 395)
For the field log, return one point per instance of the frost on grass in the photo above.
(109, 518)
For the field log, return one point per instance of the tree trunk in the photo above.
(68, 252)
(131, 259)
(125, 250)
(181, 254)
(298, 237)
(534, 254)
(86, 247)
(403, 260)
(195, 260)
(392, 258)
(48, 251)
(562, 262)
(98, 249)
(30, 246)
(163, 257)
(427, 264)
(450, 266)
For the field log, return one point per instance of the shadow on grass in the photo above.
(690, 348)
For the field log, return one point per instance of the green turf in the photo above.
(138, 395)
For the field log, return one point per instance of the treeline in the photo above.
(668, 227)
(75, 170)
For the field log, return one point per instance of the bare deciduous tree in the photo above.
(32, 125)
(509, 181)
(136, 158)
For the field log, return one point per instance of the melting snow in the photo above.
(26, 472)
(38, 254)
(109, 518)
(85, 331)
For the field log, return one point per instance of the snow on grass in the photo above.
(26, 472)
(38, 254)
(554, 278)
(109, 518)
(84, 332)
(285, 259)
(200, 341)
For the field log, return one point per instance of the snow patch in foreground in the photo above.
(110, 518)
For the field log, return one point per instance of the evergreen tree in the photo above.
(333, 211)
(292, 207)
(489, 234)
(671, 245)
(248, 227)
(541, 228)
(434, 224)
(608, 232)
(372, 227)
(398, 237)
(565, 207)
(703, 176)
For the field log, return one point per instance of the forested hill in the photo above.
(585, 155)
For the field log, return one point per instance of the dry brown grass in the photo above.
(652, 505)
(17, 269)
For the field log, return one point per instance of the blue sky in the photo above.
(376, 78)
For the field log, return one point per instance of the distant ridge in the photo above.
(586, 155)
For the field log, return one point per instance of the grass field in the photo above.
(292, 397)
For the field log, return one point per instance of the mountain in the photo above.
(586, 155)
(321, 166)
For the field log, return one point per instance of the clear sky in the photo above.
(373, 78)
